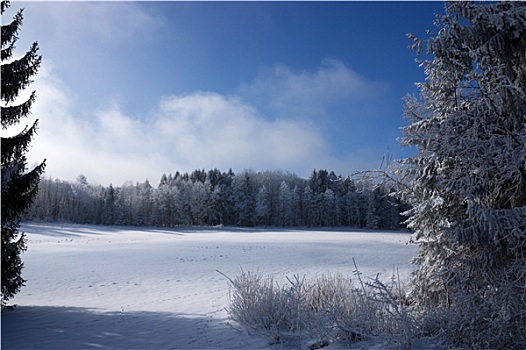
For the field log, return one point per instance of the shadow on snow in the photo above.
(55, 327)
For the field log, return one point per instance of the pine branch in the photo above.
(16, 75)
(11, 115)
(10, 30)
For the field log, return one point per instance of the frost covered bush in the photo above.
(317, 313)
(260, 304)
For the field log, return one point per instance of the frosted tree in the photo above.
(202, 205)
(467, 184)
(244, 198)
(181, 202)
(355, 205)
(19, 186)
(284, 205)
(327, 206)
(164, 199)
(263, 206)
(86, 194)
(296, 205)
(108, 211)
(309, 211)
(372, 217)
(216, 205)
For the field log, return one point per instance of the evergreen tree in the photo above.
(145, 194)
(467, 184)
(372, 217)
(110, 199)
(352, 213)
(295, 210)
(284, 205)
(19, 186)
(327, 206)
(244, 198)
(201, 203)
(307, 209)
(263, 206)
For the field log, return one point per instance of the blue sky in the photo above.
(132, 90)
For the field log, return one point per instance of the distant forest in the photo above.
(209, 198)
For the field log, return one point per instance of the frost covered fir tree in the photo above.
(19, 186)
(467, 184)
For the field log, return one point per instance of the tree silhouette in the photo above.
(19, 186)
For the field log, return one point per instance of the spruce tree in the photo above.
(467, 184)
(19, 186)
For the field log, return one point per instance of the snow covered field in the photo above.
(98, 287)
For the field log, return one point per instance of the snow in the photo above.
(99, 287)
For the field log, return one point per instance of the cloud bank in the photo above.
(93, 120)
(201, 129)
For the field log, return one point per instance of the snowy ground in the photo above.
(96, 287)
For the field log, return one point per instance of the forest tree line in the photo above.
(208, 198)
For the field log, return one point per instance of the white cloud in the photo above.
(101, 145)
(208, 128)
(197, 130)
(311, 93)
(183, 133)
